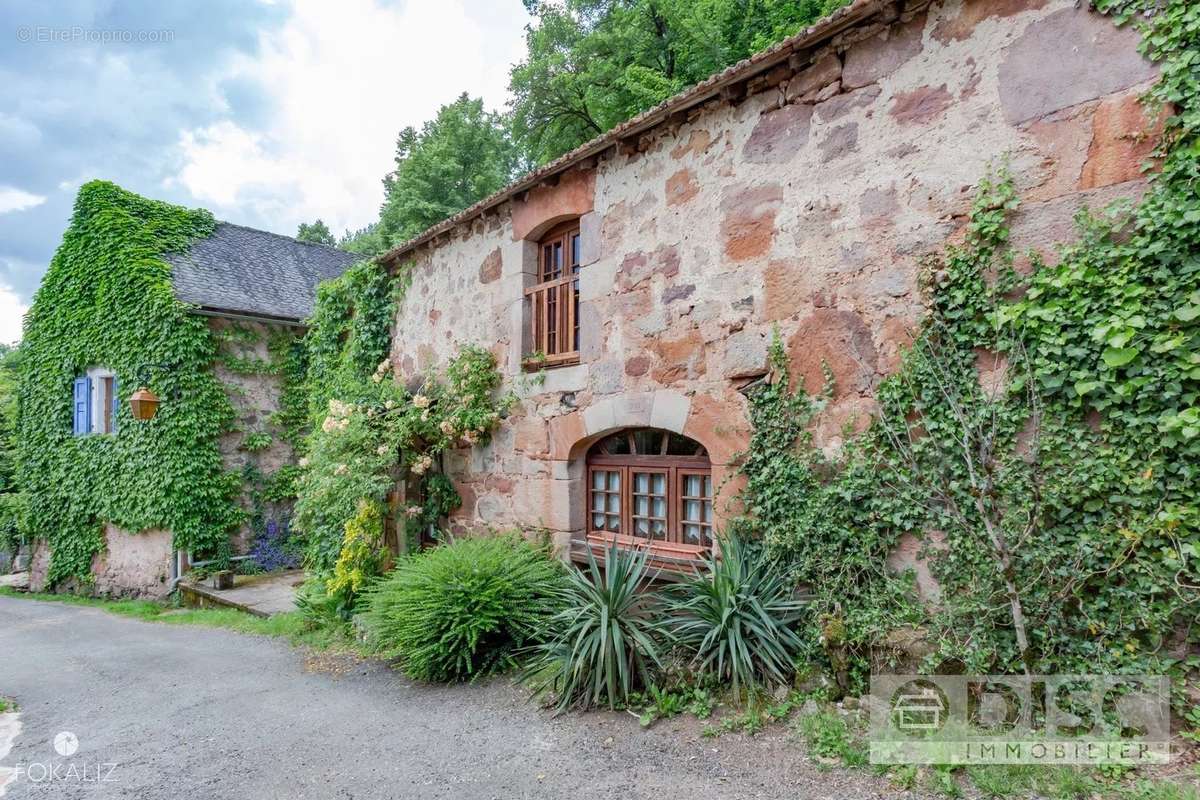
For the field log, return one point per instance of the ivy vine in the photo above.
(107, 300)
(1057, 500)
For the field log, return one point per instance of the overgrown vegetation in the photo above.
(12, 501)
(463, 609)
(107, 300)
(1064, 490)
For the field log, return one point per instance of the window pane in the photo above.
(614, 481)
(707, 511)
(691, 485)
(641, 528)
(574, 249)
(691, 534)
(597, 501)
(708, 486)
(692, 511)
(658, 529)
(597, 522)
(659, 507)
(614, 523)
(641, 482)
(658, 483)
(614, 504)
(641, 505)
(598, 479)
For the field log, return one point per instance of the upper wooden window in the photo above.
(653, 486)
(554, 300)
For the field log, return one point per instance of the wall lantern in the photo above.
(144, 404)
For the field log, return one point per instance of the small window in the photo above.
(554, 300)
(95, 402)
(651, 485)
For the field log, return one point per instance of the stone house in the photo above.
(249, 285)
(629, 289)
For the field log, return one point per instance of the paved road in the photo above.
(185, 712)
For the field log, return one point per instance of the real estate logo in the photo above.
(1016, 719)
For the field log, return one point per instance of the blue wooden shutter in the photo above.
(82, 420)
(116, 405)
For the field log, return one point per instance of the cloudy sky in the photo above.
(267, 112)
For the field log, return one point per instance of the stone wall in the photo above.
(805, 207)
(130, 565)
(255, 397)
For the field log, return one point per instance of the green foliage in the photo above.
(829, 736)
(14, 516)
(592, 64)
(107, 300)
(357, 451)
(316, 233)
(349, 334)
(458, 158)
(257, 441)
(736, 619)
(1094, 502)
(605, 638)
(14, 505)
(362, 553)
(462, 610)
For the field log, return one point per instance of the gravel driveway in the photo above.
(183, 712)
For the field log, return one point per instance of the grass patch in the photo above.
(7, 705)
(830, 739)
(292, 626)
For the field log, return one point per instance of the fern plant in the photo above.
(463, 609)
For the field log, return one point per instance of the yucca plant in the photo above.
(736, 620)
(606, 637)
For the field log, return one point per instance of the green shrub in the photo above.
(605, 638)
(736, 619)
(14, 506)
(463, 609)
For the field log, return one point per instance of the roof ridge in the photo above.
(330, 248)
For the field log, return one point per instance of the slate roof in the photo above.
(247, 271)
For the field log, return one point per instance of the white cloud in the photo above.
(12, 310)
(345, 78)
(13, 199)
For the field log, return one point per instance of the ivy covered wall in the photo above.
(107, 301)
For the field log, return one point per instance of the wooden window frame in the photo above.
(554, 301)
(674, 467)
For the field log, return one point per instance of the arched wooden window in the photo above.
(653, 486)
(554, 300)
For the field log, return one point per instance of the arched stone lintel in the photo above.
(572, 434)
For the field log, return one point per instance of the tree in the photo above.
(458, 158)
(592, 64)
(365, 242)
(316, 233)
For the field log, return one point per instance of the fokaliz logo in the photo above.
(1016, 719)
(63, 770)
